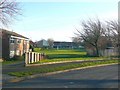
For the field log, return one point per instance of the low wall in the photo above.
(32, 57)
(110, 52)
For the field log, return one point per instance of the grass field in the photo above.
(65, 55)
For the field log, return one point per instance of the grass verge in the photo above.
(70, 59)
(11, 62)
(59, 68)
(14, 60)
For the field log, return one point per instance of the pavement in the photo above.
(99, 77)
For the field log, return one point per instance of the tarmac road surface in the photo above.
(98, 77)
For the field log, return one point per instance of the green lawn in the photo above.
(65, 55)
(11, 62)
(65, 51)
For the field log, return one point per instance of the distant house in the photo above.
(32, 44)
(12, 44)
(64, 45)
(42, 44)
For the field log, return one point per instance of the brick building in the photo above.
(12, 44)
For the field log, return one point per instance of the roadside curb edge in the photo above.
(18, 79)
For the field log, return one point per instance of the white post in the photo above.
(26, 58)
(37, 57)
(32, 57)
(29, 58)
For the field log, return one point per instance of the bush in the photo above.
(18, 57)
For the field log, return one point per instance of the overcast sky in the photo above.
(58, 19)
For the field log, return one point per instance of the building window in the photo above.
(18, 41)
(12, 40)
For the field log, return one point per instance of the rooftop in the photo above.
(12, 33)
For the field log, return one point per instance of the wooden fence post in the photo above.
(26, 58)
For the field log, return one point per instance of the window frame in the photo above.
(12, 40)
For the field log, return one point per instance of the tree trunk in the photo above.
(97, 51)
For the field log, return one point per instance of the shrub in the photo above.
(16, 57)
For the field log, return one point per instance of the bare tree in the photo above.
(114, 33)
(8, 11)
(92, 33)
(78, 41)
(50, 42)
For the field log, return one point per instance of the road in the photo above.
(98, 77)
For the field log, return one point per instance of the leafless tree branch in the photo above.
(91, 33)
(8, 11)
